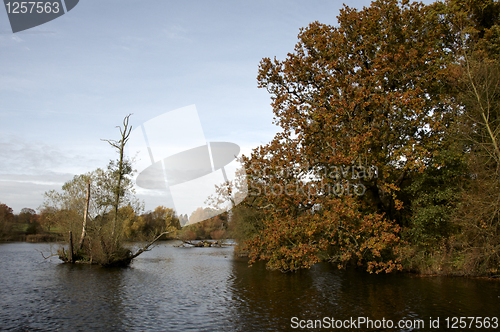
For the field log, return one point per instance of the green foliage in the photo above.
(245, 222)
(34, 228)
(433, 196)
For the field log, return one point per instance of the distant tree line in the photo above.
(214, 228)
(52, 223)
(25, 226)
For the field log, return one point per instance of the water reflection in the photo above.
(88, 297)
(269, 300)
(207, 289)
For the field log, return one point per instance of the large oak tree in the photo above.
(363, 107)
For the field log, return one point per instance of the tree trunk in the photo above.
(119, 145)
(85, 214)
(120, 177)
(70, 252)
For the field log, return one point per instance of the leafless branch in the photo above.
(146, 247)
(41, 253)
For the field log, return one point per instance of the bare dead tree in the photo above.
(122, 168)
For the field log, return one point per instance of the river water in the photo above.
(208, 289)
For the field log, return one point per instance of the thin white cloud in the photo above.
(16, 83)
(20, 156)
(26, 190)
(17, 39)
(30, 157)
(176, 32)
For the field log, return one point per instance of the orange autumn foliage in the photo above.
(361, 106)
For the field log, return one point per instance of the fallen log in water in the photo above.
(203, 243)
(146, 247)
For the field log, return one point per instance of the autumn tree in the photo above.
(49, 218)
(27, 216)
(133, 224)
(201, 214)
(167, 219)
(6, 222)
(150, 224)
(363, 107)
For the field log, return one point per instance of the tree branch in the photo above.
(146, 247)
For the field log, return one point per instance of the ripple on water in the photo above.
(206, 289)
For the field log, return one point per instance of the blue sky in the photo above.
(66, 84)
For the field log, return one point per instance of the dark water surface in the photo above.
(207, 289)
